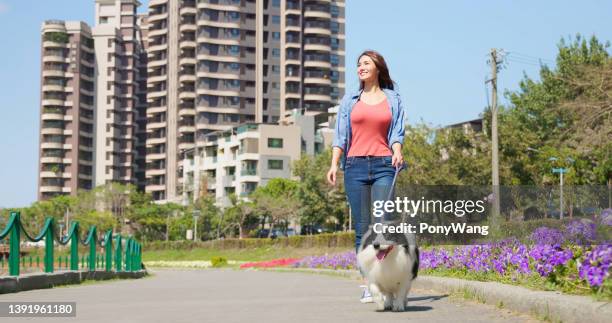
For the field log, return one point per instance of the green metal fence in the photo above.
(126, 258)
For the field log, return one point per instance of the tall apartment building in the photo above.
(120, 93)
(67, 108)
(93, 101)
(214, 64)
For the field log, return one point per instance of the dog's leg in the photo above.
(377, 297)
(388, 301)
(399, 303)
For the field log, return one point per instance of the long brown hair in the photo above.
(384, 80)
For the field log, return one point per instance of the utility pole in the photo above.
(495, 152)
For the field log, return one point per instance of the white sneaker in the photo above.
(366, 297)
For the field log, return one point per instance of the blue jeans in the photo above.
(366, 179)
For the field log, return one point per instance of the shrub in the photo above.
(56, 36)
(218, 261)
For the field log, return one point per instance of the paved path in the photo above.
(249, 296)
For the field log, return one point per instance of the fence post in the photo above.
(49, 247)
(93, 243)
(108, 246)
(74, 246)
(14, 251)
(118, 255)
(128, 255)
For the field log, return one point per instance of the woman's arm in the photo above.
(397, 135)
(333, 169)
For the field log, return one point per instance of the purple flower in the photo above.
(546, 235)
(595, 267)
(547, 257)
(606, 217)
(581, 231)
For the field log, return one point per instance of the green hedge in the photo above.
(326, 240)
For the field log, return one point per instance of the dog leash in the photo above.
(398, 169)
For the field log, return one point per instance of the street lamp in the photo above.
(196, 214)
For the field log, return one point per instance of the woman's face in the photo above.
(366, 69)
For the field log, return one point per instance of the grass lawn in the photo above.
(255, 254)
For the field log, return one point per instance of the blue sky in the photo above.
(436, 52)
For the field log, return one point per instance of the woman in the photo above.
(369, 134)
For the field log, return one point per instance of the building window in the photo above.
(275, 164)
(275, 52)
(276, 35)
(275, 69)
(276, 3)
(335, 27)
(234, 49)
(333, 58)
(334, 11)
(276, 19)
(275, 142)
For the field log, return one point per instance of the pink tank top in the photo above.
(370, 125)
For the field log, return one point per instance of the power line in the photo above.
(518, 61)
(527, 56)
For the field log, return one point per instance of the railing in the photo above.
(126, 259)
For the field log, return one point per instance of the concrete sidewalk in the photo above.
(227, 295)
(553, 306)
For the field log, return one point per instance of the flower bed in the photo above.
(282, 262)
(568, 260)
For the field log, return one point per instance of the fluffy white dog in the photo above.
(390, 262)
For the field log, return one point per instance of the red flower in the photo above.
(270, 263)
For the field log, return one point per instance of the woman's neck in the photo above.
(371, 87)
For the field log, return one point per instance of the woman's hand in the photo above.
(397, 159)
(331, 175)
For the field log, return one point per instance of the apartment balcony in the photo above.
(186, 128)
(187, 77)
(50, 189)
(157, 46)
(317, 11)
(52, 145)
(317, 97)
(155, 188)
(317, 80)
(186, 95)
(317, 62)
(153, 16)
(228, 180)
(156, 141)
(55, 58)
(156, 125)
(249, 172)
(157, 31)
(318, 47)
(317, 28)
(154, 62)
(156, 93)
(188, 26)
(54, 44)
(52, 115)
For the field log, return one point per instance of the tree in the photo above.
(278, 200)
(319, 202)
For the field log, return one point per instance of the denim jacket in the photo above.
(342, 133)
